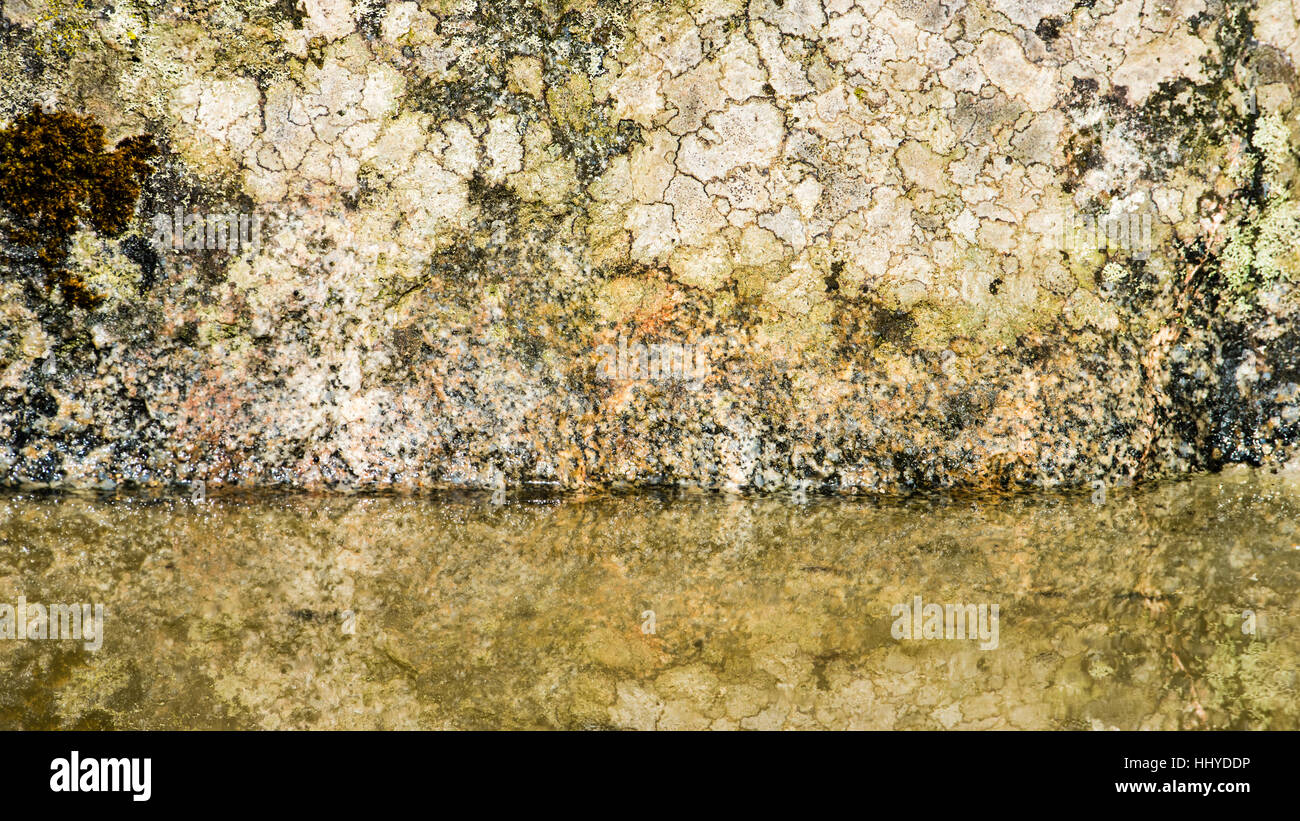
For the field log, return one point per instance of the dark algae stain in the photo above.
(55, 176)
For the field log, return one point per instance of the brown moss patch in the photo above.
(55, 175)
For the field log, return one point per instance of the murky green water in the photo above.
(660, 611)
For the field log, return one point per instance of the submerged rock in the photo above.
(1168, 607)
(806, 245)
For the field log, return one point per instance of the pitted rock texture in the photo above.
(854, 215)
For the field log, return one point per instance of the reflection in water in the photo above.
(668, 611)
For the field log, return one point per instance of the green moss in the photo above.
(56, 175)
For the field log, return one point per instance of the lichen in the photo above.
(63, 27)
(865, 200)
(1113, 273)
(1265, 245)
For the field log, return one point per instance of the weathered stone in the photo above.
(859, 214)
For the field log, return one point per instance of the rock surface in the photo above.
(853, 237)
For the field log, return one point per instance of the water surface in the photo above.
(1171, 606)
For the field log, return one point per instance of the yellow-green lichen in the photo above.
(1272, 139)
(104, 271)
(1264, 247)
(62, 28)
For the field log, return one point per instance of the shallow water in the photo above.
(660, 610)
